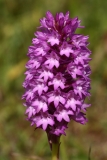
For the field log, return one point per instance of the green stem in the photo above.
(54, 142)
(55, 150)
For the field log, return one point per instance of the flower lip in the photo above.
(66, 49)
(58, 81)
(43, 121)
(56, 97)
(52, 60)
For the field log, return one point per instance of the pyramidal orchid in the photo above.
(57, 78)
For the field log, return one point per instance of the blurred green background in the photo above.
(18, 22)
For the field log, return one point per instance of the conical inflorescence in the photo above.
(57, 78)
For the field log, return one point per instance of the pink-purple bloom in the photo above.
(57, 78)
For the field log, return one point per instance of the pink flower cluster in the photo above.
(57, 78)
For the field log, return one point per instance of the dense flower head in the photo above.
(57, 78)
